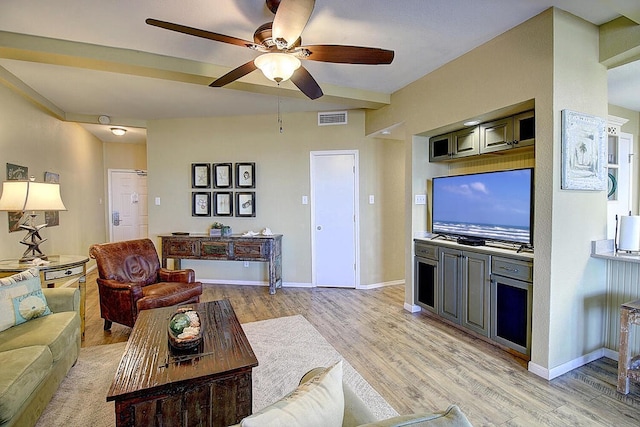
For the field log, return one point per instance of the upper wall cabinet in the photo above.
(454, 145)
(498, 135)
(524, 128)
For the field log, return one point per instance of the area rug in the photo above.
(286, 348)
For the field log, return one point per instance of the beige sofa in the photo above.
(35, 357)
(322, 391)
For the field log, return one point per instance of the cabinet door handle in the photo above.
(514, 270)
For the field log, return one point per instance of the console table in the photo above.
(56, 273)
(228, 248)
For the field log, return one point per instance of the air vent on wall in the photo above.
(332, 118)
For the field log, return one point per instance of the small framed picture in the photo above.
(246, 203)
(200, 175)
(222, 203)
(52, 218)
(222, 175)
(245, 175)
(200, 204)
(17, 172)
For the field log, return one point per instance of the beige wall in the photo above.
(282, 178)
(125, 156)
(30, 137)
(551, 59)
(577, 282)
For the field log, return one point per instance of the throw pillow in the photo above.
(318, 402)
(21, 299)
(451, 417)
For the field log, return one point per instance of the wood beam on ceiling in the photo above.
(45, 50)
(619, 42)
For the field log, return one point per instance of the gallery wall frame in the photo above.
(200, 203)
(246, 204)
(16, 173)
(584, 152)
(223, 203)
(245, 175)
(52, 218)
(200, 175)
(222, 175)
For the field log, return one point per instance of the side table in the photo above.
(57, 273)
(628, 367)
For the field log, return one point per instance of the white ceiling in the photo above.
(424, 35)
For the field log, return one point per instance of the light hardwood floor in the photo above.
(419, 364)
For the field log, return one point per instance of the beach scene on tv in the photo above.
(492, 206)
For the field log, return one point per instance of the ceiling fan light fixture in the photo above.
(118, 131)
(277, 66)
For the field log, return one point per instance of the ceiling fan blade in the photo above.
(200, 33)
(234, 74)
(306, 83)
(291, 18)
(347, 54)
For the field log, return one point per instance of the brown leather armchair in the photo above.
(131, 279)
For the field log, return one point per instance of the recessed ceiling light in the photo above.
(472, 123)
(118, 131)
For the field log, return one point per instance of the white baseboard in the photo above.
(291, 284)
(381, 285)
(610, 354)
(253, 283)
(412, 308)
(549, 374)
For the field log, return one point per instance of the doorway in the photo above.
(334, 219)
(128, 209)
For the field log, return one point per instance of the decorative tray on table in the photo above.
(184, 329)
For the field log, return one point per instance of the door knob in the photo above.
(319, 228)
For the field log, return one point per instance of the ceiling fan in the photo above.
(281, 47)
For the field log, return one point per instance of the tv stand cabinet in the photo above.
(230, 248)
(484, 290)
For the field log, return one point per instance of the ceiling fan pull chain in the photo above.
(279, 113)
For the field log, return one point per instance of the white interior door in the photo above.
(128, 205)
(334, 218)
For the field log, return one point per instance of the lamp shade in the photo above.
(277, 66)
(629, 233)
(31, 196)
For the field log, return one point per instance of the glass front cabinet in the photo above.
(619, 171)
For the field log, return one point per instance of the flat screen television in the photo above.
(495, 206)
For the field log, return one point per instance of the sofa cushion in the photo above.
(21, 299)
(451, 417)
(22, 371)
(58, 331)
(318, 402)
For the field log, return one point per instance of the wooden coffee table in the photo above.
(209, 386)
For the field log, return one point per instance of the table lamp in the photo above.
(31, 196)
(629, 234)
